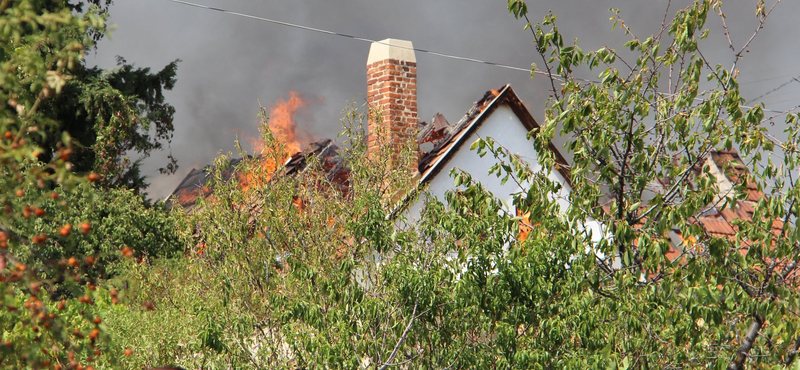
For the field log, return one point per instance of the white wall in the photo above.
(506, 129)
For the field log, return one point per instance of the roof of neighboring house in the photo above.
(439, 141)
(732, 164)
(718, 222)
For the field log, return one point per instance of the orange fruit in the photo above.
(65, 230)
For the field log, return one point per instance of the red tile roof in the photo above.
(720, 222)
(717, 222)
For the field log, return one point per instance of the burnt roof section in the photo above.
(329, 159)
(196, 184)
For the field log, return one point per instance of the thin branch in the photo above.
(402, 339)
(758, 29)
(725, 28)
(793, 354)
(541, 53)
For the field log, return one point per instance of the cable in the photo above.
(780, 77)
(466, 59)
(435, 53)
(793, 79)
(774, 69)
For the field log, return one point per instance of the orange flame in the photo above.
(282, 122)
(285, 130)
(259, 175)
(284, 127)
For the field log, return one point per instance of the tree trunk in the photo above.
(747, 344)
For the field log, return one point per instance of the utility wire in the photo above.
(793, 79)
(779, 77)
(466, 59)
(435, 53)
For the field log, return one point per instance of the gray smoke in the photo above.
(232, 63)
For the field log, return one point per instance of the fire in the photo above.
(266, 160)
(282, 122)
(258, 175)
(283, 125)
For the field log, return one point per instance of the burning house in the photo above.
(442, 146)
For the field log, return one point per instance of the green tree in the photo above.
(109, 115)
(277, 274)
(647, 126)
(30, 76)
(60, 233)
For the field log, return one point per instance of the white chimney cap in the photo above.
(391, 49)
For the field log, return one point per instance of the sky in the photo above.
(230, 66)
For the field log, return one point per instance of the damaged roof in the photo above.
(438, 140)
(197, 183)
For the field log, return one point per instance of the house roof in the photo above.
(446, 139)
(454, 136)
(196, 183)
(718, 222)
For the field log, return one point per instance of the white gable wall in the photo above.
(506, 129)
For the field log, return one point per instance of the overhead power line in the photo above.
(364, 39)
(435, 53)
(793, 79)
(761, 80)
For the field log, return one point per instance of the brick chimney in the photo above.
(392, 92)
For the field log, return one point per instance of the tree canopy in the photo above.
(109, 115)
(63, 225)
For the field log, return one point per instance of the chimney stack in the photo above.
(392, 93)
